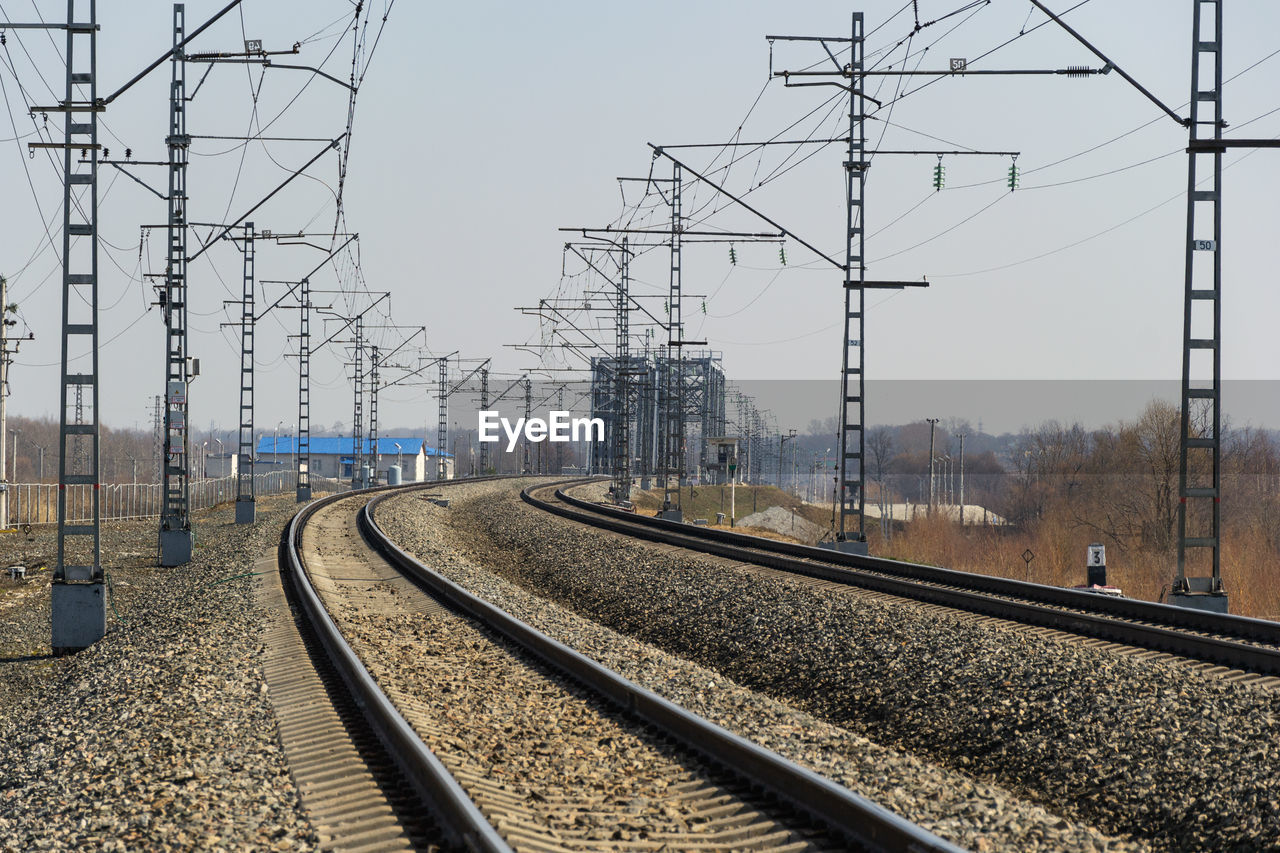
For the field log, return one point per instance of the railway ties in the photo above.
(1234, 648)
(547, 762)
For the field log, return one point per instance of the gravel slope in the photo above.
(1139, 748)
(975, 814)
(161, 735)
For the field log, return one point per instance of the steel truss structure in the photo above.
(701, 392)
(245, 498)
(303, 493)
(1199, 467)
(78, 600)
(175, 516)
(442, 416)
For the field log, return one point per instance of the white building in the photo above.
(333, 457)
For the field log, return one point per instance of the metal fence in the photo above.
(37, 503)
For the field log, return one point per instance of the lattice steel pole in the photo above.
(1200, 456)
(175, 520)
(245, 495)
(79, 616)
(442, 420)
(82, 458)
(357, 419)
(484, 407)
(5, 360)
(528, 413)
(559, 463)
(852, 432)
(304, 391)
(673, 429)
(157, 437)
(622, 359)
(373, 416)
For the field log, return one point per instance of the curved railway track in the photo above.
(390, 627)
(1234, 647)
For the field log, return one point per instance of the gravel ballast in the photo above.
(975, 814)
(161, 735)
(1147, 749)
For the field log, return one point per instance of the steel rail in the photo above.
(1130, 621)
(841, 810)
(459, 818)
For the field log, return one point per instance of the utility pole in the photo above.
(302, 448)
(6, 359)
(528, 413)
(851, 438)
(303, 492)
(933, 422)
(357, 458)
(246, 499)
(782, 440)
(357, 419)
(962, 437)
(622, 359)
(484, 407)
(442, 420)
(157, 437)
(674, 459)
(853, 354)
(175, 520)
(795, 475)
(373, 416)
(1200, 453)
(559, 463)
(78, 599)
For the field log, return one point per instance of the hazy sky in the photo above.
(482, 128)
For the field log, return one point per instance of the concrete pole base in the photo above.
(175, 547)
(79, 616)
(1213, 602)
(848, 546)
(246, 512)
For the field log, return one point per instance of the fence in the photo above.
(37, 503)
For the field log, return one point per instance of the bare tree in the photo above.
(880, 445)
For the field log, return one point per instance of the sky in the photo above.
(481, 129)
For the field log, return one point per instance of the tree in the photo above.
(1132, 494)
(1047, 465)
(880, 446)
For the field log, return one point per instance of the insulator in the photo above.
(782, 255)
(1077, 71)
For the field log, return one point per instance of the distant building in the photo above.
(333, 457)
(218, 465)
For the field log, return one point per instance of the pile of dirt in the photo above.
(786, 522)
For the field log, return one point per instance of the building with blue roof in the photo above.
(333, 456)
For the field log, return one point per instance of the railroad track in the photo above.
(532, 746)
(1233, 647)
